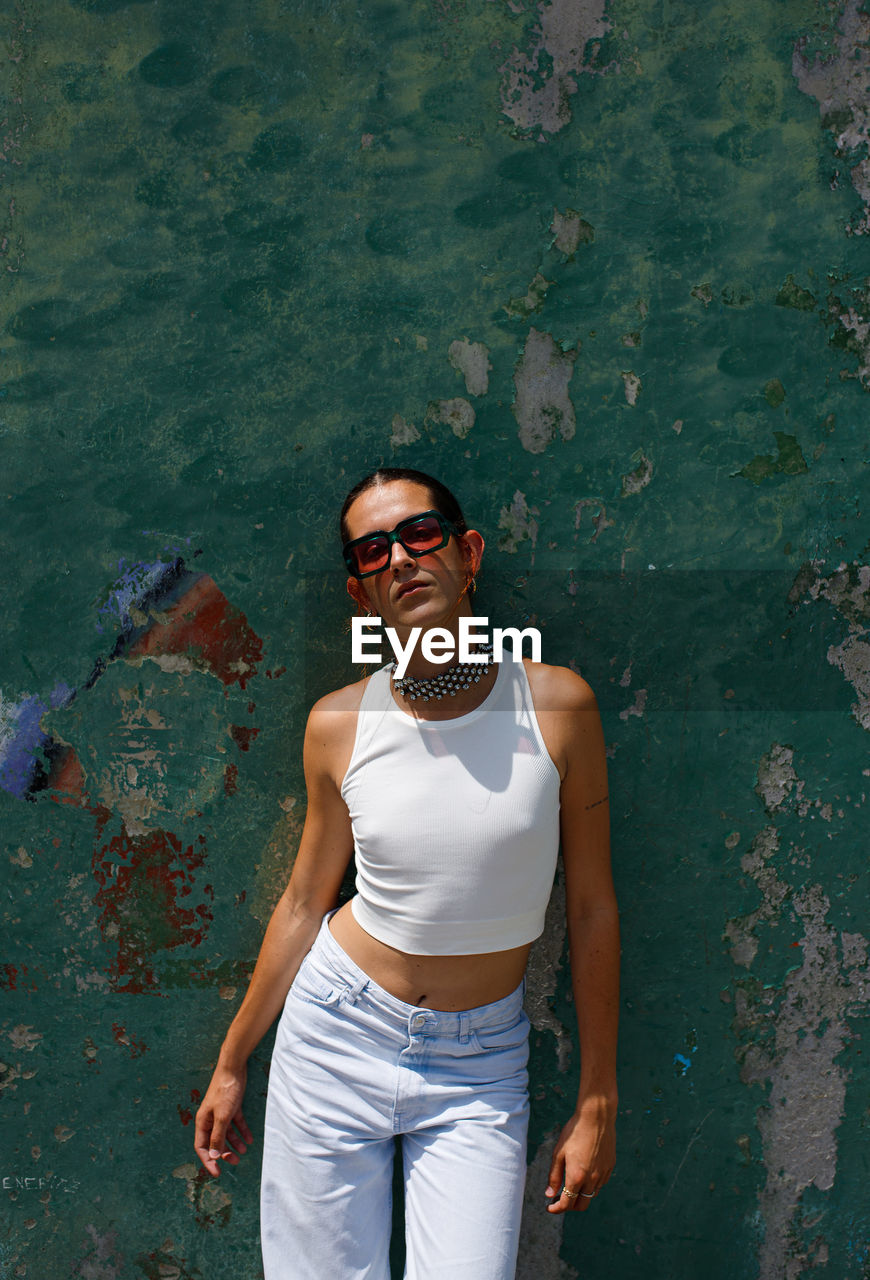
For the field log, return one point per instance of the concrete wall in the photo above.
(603, 265)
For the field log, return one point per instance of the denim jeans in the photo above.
(353, 1067)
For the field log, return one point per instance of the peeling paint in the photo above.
(25, 1038)
(103, 1260)
(403, 433)
(537, 84)
(638, 706)
(570, 229)
(519, 524)
(640, 477)
(631, 382)
(457, 414)
(856, 327)
(532, 300)
(776, 777)
(542, 406)
(741, 932)
(807, 1086)
(792, 1037)
(848, 590)
(838, 82)
(545, 964)
(471, 359)
(852, 657)
(541, 1232)
(600, 519)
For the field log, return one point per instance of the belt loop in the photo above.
(353, 991)
(464, 1023)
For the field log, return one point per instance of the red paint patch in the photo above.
(203, 625)
(67, 779)
(141, 880)
(231, 779)
(123, 1037)
(243, 736)
(184, 1115)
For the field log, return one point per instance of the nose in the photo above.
(399, 557)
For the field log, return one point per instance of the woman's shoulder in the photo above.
(331, 730)
(343, 701)
(558, 688)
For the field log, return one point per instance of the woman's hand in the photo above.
(584, 1156)
(219, 1120)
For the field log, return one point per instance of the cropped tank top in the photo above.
(455, 822)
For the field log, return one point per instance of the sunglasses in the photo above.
(418, 535)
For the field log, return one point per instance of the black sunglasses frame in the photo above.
(395, 535)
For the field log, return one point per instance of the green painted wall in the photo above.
(603, 265)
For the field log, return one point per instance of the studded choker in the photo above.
(448, 682)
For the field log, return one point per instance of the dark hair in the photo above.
(442, 499)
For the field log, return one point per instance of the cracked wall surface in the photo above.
(602, 265)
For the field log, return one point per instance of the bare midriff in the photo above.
(448, 983)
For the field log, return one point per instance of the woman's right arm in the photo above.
(324, 852)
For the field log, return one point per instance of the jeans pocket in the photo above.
(502, 1039)
(311, 986)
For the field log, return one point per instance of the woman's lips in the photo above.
(410, 588)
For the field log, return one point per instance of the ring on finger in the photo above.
(572, 1195)
(589, 1195)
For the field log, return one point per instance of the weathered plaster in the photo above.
(238, 243)
(471, 359)
(532, 300)
(776, 777)
(541, 1235)
(518, 521)
(839, 82)
(537, 83)
(848, 590)
(542, 405)
(457, 414)
(852, 657)
(570, 229)
(640, 477)
(600, 519)
(792, 1037)
(632, 384)
(545, 964)
(403, 433)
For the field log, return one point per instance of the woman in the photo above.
(404, 1013)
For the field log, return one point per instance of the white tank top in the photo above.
(455, 822)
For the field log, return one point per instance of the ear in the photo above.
(357, 593)
(472, 549)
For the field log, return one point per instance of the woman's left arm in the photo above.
(585, 1151)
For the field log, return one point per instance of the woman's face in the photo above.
(412, 591)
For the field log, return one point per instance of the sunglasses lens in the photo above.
(371, 555)
(423, 534)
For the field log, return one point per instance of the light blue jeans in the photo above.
(352, 1068)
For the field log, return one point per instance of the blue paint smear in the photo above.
(682, 1063)
(23, 738)
(23, 742)
(135, 585)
